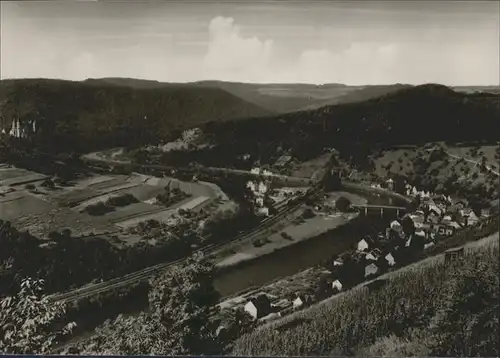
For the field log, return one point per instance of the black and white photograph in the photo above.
(250, 178)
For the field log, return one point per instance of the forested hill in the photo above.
(276, 97)
(410, 116)
(80, 116)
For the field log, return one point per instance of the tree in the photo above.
(408, 225)
(236, 322)
(179, 322)
(29, 322)
(342, 204)
(48, 183)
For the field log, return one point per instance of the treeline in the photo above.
(79, 116)
(461, 319)
(67, 262)
(415, 116)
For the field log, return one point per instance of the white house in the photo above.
(434, 208)
(396, 226)
(262, 188)
(390, 184)
(363, 245)
(338, 262)
(390, 259)
(251, 186)
(337, 285)
(258, 307)
(447, 219)
(371, 256)
(420, 233)
(255, 170)
(429, 244)
(259, 201)
(298, 302)
(264, 211)
(371, 269)
(267, 172)
(472, 219)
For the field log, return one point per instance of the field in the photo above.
(15, 205)
(40, 210)
(15, 176)
(355, 322)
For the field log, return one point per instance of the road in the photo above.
(96, 158)
(489, 168)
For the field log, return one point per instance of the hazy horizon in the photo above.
(269, 42)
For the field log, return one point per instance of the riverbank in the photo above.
(296, 229)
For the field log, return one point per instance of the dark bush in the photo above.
(122, 200)
(342, 204)
(98, 209)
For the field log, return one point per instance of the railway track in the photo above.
(148, 272)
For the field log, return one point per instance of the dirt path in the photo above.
(473, 162)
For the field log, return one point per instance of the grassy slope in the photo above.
(88, 115)
(358, 321)
(404, 162)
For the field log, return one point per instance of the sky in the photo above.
(356, 42)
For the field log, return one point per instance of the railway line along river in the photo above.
(295, 258)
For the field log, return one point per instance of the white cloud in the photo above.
(436, 58)
(229, 53)
(233, 55)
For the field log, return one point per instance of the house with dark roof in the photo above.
(259, 306)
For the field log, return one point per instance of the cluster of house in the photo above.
(259, 191)
(261, 171)
(264, 307)
(437, 217)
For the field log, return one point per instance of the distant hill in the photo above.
(80, 116)
(280, 98)
(472, 89)
(413, 115)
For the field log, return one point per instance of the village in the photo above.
(436, 218)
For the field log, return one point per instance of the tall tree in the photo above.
(179, 322)
(29, 322)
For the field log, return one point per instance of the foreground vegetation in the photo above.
(181, 319)
(399, 319)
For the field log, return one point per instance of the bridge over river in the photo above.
(382, 208)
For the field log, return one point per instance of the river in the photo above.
(296, 258)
